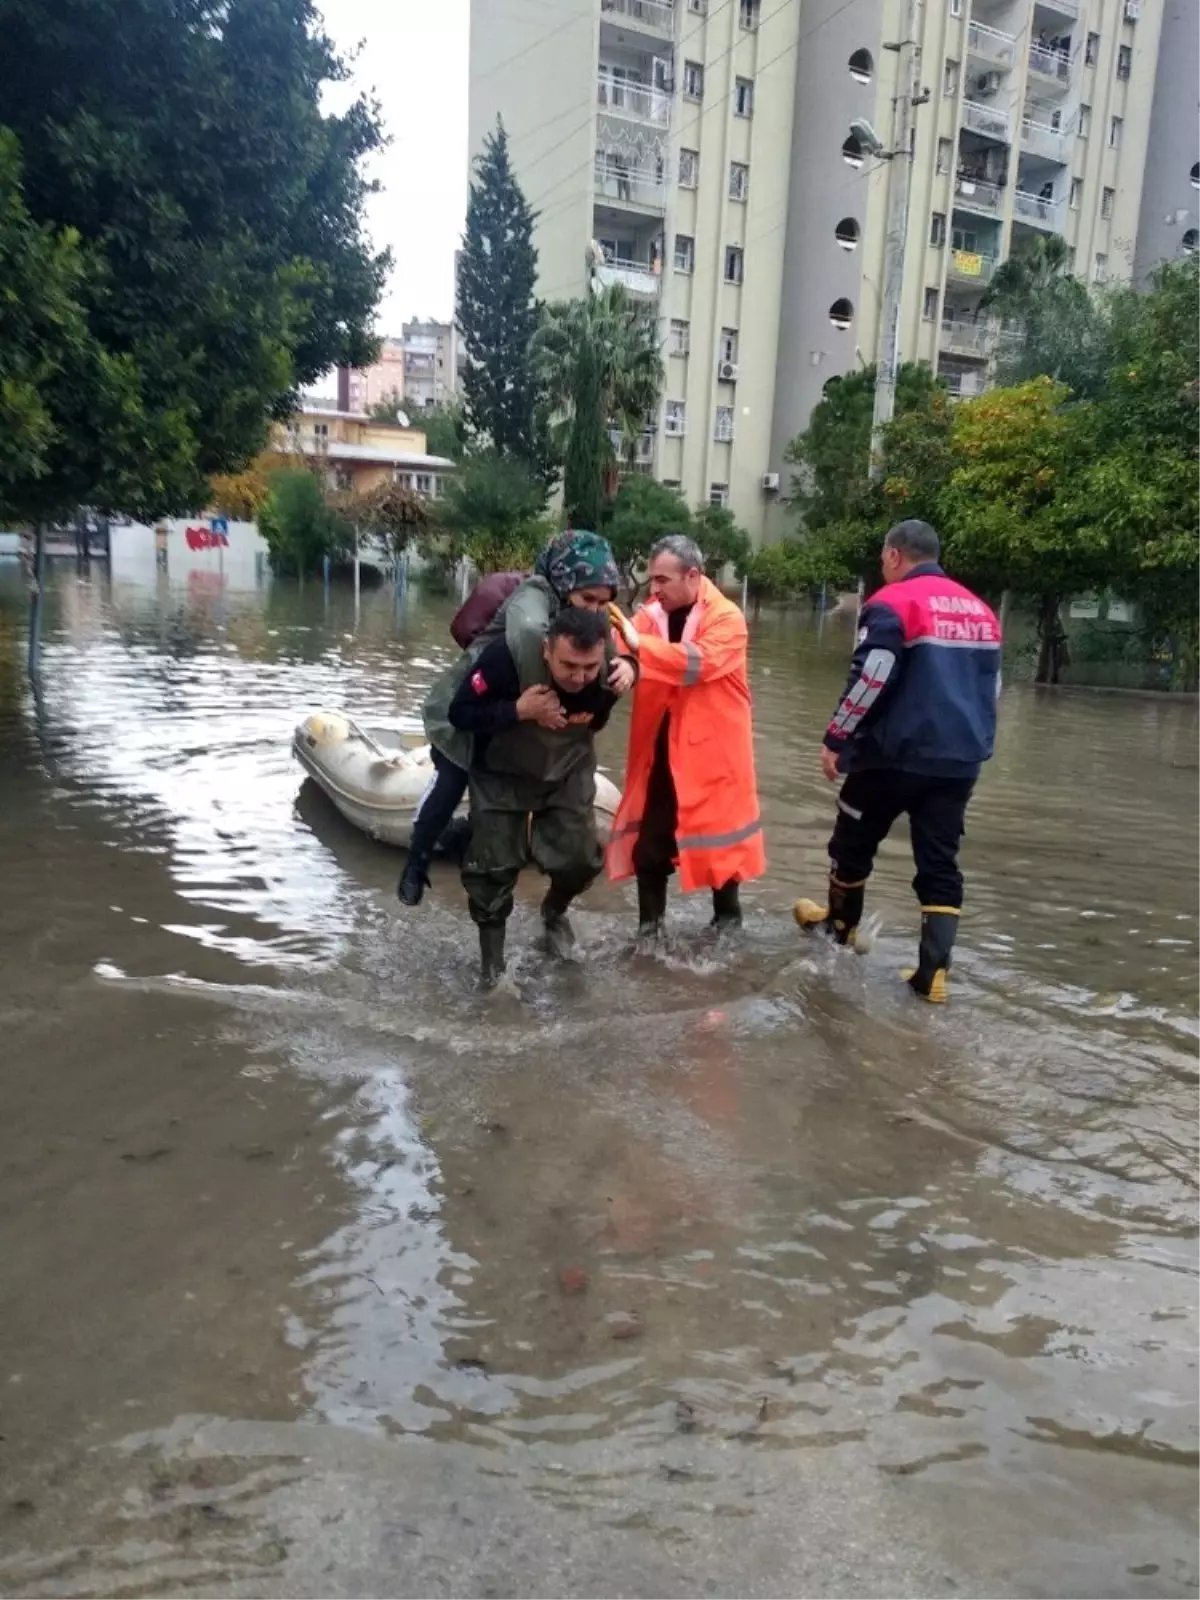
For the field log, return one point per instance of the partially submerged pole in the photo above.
(37, 589)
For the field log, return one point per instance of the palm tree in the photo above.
(599, 366)
(1029, 273)
(1060, 328)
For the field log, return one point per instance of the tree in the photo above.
(300, 527)
(215, 214)
(389, 512)
(724, 544)
(1006, 515)
(1055, 326)
(497, 311)
(598, 362)
(243, 494)
(388, 409)
(445, 429)
(642, 512)
(492, 512)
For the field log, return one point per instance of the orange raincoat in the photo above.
(701, 682)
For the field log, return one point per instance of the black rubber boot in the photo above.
(652, 909)
(560, 936)
(939, 929)
(727, 907)
(414, 880)
(491, 955)
(841, 917)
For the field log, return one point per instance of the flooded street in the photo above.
(734, 1272)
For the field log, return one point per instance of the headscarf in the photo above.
(578, 559)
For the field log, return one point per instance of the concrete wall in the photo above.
(1174, 145)
(239, 564)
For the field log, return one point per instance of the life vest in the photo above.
(701, 684)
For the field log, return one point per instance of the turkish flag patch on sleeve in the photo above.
(479, 683)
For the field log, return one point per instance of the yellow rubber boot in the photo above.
(839, 919)
(939, 928)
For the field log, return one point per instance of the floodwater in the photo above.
(737, 1272)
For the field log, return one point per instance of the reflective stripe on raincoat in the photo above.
(701, 683)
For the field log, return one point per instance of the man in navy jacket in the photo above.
(916, 722)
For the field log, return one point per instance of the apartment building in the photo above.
(1170, 220)
(430, 363)
(360, 388)
(701, 153)
(653, 139)
(357, 453)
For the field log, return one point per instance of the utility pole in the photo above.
(907, 97)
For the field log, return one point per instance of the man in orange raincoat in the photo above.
(690, 799)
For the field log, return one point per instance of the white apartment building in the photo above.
(700, 152)
(1170, 222)
(430, 363)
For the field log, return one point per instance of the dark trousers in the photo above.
(654, 853)
(554, 830)
(869, 804)
(438, 805)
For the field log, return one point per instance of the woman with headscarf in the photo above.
(576, 568)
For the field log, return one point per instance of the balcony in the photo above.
(618, 183)
(963, 385)
(968, 338)
(1042, 212)
(971, 266)
(1044, 139)
(640, 279)
(975, 194)
(1051, 66)
(991, 45)
(643, 450)
(633, 102)
(650, 16)
(987, 121)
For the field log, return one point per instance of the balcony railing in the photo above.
(1043, 139)
(657, 16)
(633, 100)
(643, 452)
(640, 279)
(975, 194)
(968, 338)
(987, 120)
(990, 44)
(617, 180)
(1055, 64)
(1041, 212)
(1064, 8)
(972, 266)
(964, 385)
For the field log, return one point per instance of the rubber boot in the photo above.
(652, 910)
(414, 880)
(491, 954)
(560, 936)
(939, 929)
(727, 908)
(841, 917)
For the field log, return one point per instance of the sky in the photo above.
(412, 55)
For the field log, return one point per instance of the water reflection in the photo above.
(648, 1232)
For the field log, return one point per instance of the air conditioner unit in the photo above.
(770, 482)
(727, 372)
(988, 82)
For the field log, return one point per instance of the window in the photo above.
(700, 7)
(343, 480)
(945, 154)
(693, 80)
(743, 97)
(748, 13)
(1191, 241)
(673, 484)
(685, 252)
(321, 430)
(950, 77)
(729, 344)
(675, 420)
(965, 239)
(734, 263)
(848, 233)
(1106, 202)
(681, 336)
(723, 425)
(956, 8)
(424, 483)
(1085, 121)
(718, 494)
(1076, 193)
(852, 151)
(862, 66)
(1091, 50)
(929, 305)
(689, 168)
(937, 228)
(1124, 61)
(1196, 174)
(841, 314)
(739, 181)
(1100, 269)
(1116, 126)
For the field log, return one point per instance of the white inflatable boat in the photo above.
(376, 781)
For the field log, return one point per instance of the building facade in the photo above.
(1171, 191)
(360, 388)
(701, 153)
(430, 363)
(357, 453)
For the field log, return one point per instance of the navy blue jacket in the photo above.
(924, 681)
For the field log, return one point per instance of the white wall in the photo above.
(242, 564)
